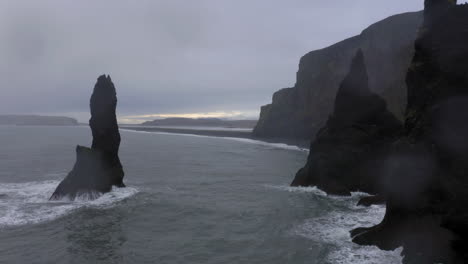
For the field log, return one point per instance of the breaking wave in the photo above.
(28, 203)
(333, 228)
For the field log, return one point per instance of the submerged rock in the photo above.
(344, 156)
(98, 168)
(426, 191)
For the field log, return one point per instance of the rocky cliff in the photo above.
(425, 179)
(388, 47)
(344, 155)
(98, 168)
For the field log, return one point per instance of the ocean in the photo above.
(189, 199)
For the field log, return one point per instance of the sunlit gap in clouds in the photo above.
(230, 115)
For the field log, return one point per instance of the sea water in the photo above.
(190, 199)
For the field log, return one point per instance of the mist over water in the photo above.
(189, 199)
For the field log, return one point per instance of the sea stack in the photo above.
(427, 176)
(344, 155)
(97, 169)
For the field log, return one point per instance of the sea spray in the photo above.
(28, 203)
(333, 227)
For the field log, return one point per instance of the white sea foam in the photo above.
(355, 196)
(334, 226)
(243, 140)
(268, 144)
(28, 203)
(313, 190)
(58, 175)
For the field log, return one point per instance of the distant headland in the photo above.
(37, 120)
(202, 122)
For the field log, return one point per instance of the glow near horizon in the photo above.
(137, 119)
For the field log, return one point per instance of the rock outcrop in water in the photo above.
(103, 123)
(98, 168)
(426, 177)
(344, 155)
(388, 47)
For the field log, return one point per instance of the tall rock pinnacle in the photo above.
(98, 168)
(357, 132)
(103, 123)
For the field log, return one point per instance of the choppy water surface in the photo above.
(189, 200)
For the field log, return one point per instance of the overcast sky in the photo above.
(167, 57)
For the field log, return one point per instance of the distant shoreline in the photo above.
(201, 122)
(219, 133)
(200, 132)
(37, 120)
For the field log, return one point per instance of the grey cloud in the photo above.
(167, 56)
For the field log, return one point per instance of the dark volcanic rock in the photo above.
(343, 157)
(89, 177)
(388, 47)
(275, 118)
(103, 122)
(98, 168)
(427, 198)
(372, 200)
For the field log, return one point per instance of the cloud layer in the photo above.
(167, 56)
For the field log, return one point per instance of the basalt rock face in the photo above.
(427, 176)
(103, 123)
(343, 157)
(275, 119)
(388, 48)
(98, 168)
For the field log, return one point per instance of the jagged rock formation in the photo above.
(343, 157)
(388, 47)
(103, 123)
(98, 168)
(427, 175)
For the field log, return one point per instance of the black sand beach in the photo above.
(226, 133)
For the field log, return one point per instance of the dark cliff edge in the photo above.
(425, 178)
(98, 168)
(388, 47)
(344, 155)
